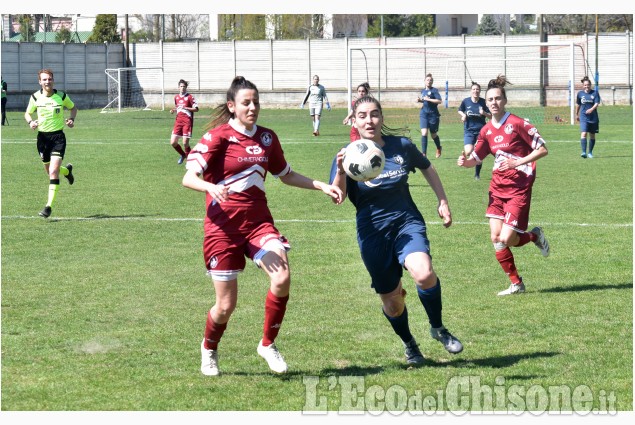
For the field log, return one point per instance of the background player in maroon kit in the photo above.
(184, 105)
(516, 146)
(230, 164)
(362, 90)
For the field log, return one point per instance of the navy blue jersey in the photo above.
(475, 121)
(586, 101)
(385, 202)
(429, 107)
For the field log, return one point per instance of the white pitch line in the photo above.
(168, 219)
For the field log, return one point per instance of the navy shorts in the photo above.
(384, 254)
(469, 138)
(589, 127)
(430, 122)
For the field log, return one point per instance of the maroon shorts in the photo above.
(182, 128)
(513, 211)
(224, 253)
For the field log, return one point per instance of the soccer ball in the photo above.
(363, 160)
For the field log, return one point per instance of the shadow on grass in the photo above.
(492, 362)
(117, 217)
(352, 370)
(588, 287)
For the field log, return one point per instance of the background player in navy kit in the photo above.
(473, 112)
(516, 146)
(230, 164)
(391, 231)
(316, 95)
(184, 105)
(586, 112)
(430, 99)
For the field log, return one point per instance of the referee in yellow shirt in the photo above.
(51, 141)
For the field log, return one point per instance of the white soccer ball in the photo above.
(363, 160)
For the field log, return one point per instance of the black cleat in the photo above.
(46, 212)
(70, 177)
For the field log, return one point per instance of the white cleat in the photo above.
(209, 361)
(513, 289)
(541, 242)
(273, 357)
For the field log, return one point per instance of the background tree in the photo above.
(578, 24)
(105, 29)
(64, 35)
(488, 26)
(27, 31)
(401, 25)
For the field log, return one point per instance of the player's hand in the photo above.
(302, 106)
(70, 122)
(218, 192)
(334, 192)
(444, 213)
(33, 124)
(461, 159)
(172, 110)
(328, 106)
(339, 159)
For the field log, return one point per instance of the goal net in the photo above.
(131, 89)
(542, 76)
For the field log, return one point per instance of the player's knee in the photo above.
(424, 277)
(280, 282)
(499, 245)
(224, 310)
(394, 305)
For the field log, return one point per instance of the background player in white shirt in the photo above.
(316, 95)
(230, 164)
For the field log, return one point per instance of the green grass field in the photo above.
(104, 304)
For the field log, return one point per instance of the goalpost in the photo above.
(134, 88)
(542, 73)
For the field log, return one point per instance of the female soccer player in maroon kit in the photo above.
(362, 90)
(230, 164)
(184, 105)
(516, 146)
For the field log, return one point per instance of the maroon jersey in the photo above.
(513, 138)
(239, 159)
(182, 101)
(184, 121)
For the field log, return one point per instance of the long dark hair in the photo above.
(385, 130)
(221, 114)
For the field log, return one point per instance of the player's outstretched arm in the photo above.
(303, 182)
(433, 179)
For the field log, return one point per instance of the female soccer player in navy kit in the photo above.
(473, 112)
(230, 164)
(516, 146)
(362, 90)
(586, 112)
(430, 100)
(391, 231)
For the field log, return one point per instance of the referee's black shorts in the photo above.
(50, 144)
